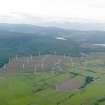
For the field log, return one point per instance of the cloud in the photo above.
(75, 9)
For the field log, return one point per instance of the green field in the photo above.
(40, 88)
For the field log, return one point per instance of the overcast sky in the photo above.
(93, 10)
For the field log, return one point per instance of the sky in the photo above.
(71, 10)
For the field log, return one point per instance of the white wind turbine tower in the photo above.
(9, 60)
(42, 62)
(42, 65)
(35, 69)
(23, 66)
(55, 53)
(39, 54)
(71, 60)
(16, 58)
(64, 55)
(5, 68)
(27, 60)
(31, 57)
(81, 62)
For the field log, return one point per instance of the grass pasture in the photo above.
(38, 87)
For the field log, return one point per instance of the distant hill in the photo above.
(24, 39)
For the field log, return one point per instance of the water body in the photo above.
(61, 38)
(99, 45)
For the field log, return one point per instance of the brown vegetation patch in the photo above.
(67, 85)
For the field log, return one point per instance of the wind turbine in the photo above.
(23, 66)
(55, 53)
(27, 60)
(39, 54)
(42, 65)
(5, 68)
(64, 55)
(9, 60)
(31, 57)
(71, 60)
(16, 58)
(35, 69)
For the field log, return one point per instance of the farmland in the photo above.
(53, 80)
